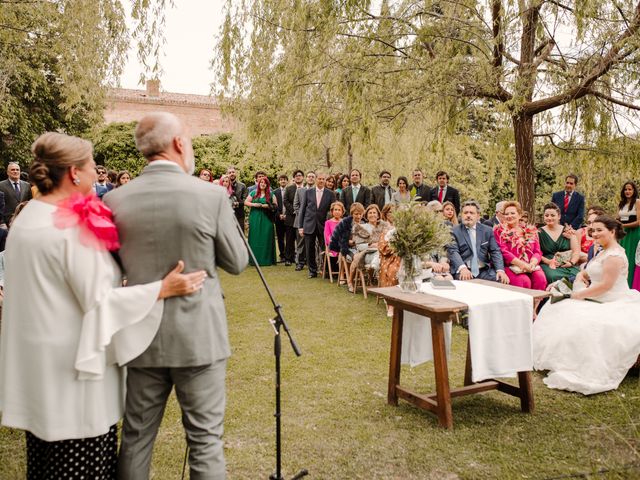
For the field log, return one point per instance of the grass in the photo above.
(337, 424)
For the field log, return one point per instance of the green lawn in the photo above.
(337, 424)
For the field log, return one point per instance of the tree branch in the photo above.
(612, 57)
(611, 99)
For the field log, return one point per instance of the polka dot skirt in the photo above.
(86, 458)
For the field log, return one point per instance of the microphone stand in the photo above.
(278, 323)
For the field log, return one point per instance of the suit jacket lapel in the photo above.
(467, 237)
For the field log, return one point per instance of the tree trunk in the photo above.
(327, 156)
(525, 169)
(349, 158)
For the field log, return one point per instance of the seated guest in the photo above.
(337, 212)
(342, 239)
(584, 233)
(588, 347)
(524, 219)
(449, 213)
(389, 261)
(434, 206)
(497, 218)
(474, 252)
(367, 251)
(520, 249)
(381, 194)
(559, 254)
(443, 192)
(402, 195)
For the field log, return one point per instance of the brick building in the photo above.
(200, 112)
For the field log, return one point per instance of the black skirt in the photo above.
(85, 458)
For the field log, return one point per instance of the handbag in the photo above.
(271, 211)
(562, 257)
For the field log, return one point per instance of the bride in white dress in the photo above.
(588, 347)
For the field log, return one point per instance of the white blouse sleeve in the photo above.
(118, 323)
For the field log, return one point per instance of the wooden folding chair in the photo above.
(343, 270)
(326, 265)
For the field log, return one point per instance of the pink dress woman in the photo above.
(521, 243)
(329, 226)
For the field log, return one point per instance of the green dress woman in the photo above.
(561, 254)
(261, 229)
(628, 215)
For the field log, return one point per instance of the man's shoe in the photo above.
(313, 274)
(299, 267)
(287, 264)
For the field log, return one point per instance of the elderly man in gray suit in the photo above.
(163, 216)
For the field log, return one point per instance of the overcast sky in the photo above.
(190, 30)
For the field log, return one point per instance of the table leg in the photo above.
(526, 392)
(467, 367)
(443, 392)
(394, 360)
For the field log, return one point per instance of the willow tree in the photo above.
(58, 57)
(553, 69)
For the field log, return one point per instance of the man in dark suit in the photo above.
(355, 192)
(314, 208)
(419, 189)
(381, 194)
(570, 202)
(443, 192)
(239, 192)
(280, 215)
(290, 217)
(497, 218)
(15, 191)
(474, 253)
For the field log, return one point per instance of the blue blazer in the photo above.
(460, 253)
(575, 210)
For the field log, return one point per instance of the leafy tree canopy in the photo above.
(322, 79)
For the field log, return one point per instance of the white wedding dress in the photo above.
(589, 347)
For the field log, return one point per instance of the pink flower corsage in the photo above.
(94, 218)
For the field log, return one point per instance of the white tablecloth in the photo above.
(500, 324)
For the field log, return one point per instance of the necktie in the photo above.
(440, 195)
(318, 198)
(387, 195)
(16, 187)
(355, 191)
(475, 270)
(566, 201)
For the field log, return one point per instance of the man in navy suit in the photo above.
(570, 202)
(314, 207)
(474, 253)
(443, 192)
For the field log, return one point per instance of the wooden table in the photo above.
(441, 310)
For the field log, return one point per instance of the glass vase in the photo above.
(409, 274)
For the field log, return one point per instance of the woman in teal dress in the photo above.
(628, 216)
(559, 254)
(261, 229)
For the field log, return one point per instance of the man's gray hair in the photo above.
(434, 205)
(500, 205)
(13, 163)
(155, 132)
(472, 203)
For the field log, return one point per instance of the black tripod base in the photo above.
(300, 474)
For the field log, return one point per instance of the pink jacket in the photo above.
(518, 243)
(329, 227)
